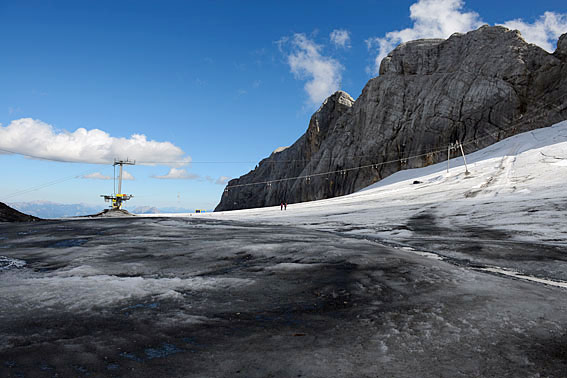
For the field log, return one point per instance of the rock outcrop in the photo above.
(476, 88)
(7, 214)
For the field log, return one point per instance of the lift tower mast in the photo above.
(118, 198)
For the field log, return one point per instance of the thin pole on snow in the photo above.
(464, 158)
(448, 157)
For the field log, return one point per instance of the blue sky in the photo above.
(225, 83)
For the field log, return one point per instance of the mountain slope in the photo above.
(7, 214)
(52, 210)
(477, 88)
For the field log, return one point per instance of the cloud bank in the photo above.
(40, 140)
(441, 18)
(323, 73)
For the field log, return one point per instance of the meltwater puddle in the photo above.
(495, 269)
(10, 263)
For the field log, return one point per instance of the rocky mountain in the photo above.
(7, 214)
(476, 88)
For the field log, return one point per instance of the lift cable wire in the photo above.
(45, 185)
(184, 162)
(523, 120)
(40, 157)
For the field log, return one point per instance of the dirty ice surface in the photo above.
(510, 211)
(457, 276)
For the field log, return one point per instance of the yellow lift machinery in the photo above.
(117, 199)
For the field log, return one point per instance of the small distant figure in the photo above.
(281, 206)
(285, 205)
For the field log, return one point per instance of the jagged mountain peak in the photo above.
(339, 96)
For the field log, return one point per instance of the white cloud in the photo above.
(178, 174)
(40, 140)
(432, 19)
(544, 32)
(441, 18)
(96, 176)
(99, 176)
(341, 38)
(222, 180)
(127, 176)
(323, 74)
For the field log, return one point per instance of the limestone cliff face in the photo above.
(477, 88)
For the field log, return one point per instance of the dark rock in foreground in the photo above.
(477, 88)
(7, 214)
